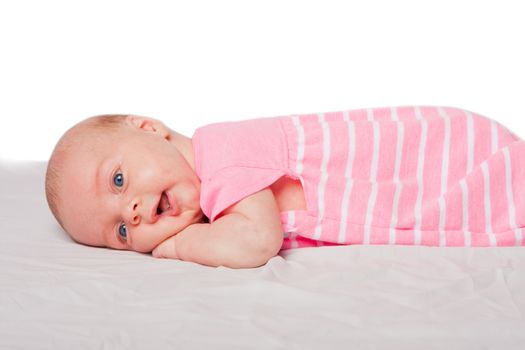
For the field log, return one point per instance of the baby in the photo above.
(237, 193)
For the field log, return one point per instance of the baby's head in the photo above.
(123, 182)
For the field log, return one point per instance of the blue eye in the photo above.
(123, 231)
(118, 179)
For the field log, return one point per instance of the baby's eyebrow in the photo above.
(110, 239)
(98, 177)
(105, 239)
(101, 170)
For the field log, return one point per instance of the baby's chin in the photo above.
(196, 216)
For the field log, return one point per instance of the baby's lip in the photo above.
(153, 213)
(172, 211)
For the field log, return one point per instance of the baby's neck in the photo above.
(184, 146)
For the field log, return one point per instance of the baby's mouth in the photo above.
(165, 206)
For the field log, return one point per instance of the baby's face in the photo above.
(131, 190)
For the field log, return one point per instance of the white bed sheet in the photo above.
(56, 294)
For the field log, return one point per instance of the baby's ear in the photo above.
(149, 124)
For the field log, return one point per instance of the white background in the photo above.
(194, 62)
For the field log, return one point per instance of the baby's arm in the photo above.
(247, 235)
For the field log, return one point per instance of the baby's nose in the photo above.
(134, 212)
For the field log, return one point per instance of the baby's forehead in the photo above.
(83, 137)
(79, 149)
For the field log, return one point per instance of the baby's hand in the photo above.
(166, 249)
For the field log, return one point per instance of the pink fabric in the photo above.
(435, 176)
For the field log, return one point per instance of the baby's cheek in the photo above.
(143, 242)
(146, 237)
